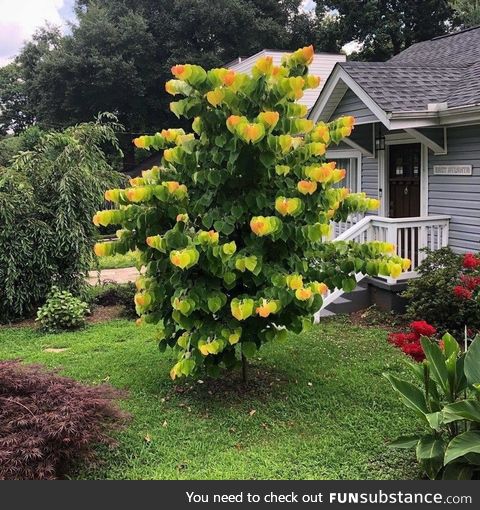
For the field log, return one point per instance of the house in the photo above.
(322, 65)
(416, 144)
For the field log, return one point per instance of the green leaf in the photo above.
(456, 471)
(349, 284)
(436, 360)
(463, 410)
(430, 451)
(450, 345)
(468, 442)
(405, 442)
(472, 362)
(214, 304)
(410, 395)
(435, 420)
(249, 349)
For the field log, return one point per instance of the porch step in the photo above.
(349, 302)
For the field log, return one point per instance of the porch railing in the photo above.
(409, 235)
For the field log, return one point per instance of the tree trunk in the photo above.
(244, 369)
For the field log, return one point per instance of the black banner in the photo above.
(179, 495)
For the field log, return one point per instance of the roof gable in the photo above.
(322, 66)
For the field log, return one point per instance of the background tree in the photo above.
(11, 146)
(15, 114)
(120, 50)
(46, 201)
(384, 28)
(468, 11)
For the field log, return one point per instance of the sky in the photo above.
(19, 19)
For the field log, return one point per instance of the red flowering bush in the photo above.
(471, 261)
(446, 293)
(409, 343)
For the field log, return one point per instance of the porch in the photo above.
(410, 236)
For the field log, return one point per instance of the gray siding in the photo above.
(370, 176)
(350, 104)
(458, 196)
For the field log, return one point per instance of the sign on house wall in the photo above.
(452, 170)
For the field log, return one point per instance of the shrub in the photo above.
(431, 296)
(62, 311)
(46, 200)
(232, 227)
(109, 294)
(448, 404)
(47, 422)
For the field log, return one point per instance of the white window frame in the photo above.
(348, 154)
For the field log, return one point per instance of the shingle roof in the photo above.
(445, 69)
(459, 49)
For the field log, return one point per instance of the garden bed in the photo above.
(316, 405)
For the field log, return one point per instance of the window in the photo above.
(351, 178)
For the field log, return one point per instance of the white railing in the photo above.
(339, 227)
(409, 235)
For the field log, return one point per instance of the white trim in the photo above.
(349, 154)
(424, 180)
(383, 184)
(384, 174)
(337, 78)
(424, 140)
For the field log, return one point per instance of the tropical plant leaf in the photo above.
(405, 442)
(472, 362)
(468, 442)
(410, 395)
(436, 359)
(430, 452)
(458, 471)
(435, 420)
(462, 410)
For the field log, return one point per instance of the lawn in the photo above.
(117, 261)
(317, 406)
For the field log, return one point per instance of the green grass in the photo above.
(322, 408)
(117, 261)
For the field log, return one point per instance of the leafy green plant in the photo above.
(46, 201)
(448, 403)
(431, 296)
(108, 294)
(62, 311)
(233, 226)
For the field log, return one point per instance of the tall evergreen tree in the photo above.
(384, 28)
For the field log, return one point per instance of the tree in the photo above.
(15, 114)
(120, 50)
(232, 226)
(384, 28)
(468, 11)
(11, 146)
(46, 200)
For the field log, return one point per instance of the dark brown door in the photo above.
(404, 179)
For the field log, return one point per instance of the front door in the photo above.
(404, 179)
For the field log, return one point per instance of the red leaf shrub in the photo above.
(410, 342)
(47, 421)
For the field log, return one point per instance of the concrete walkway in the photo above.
(124, 275)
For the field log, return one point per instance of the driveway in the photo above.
(124, 275)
